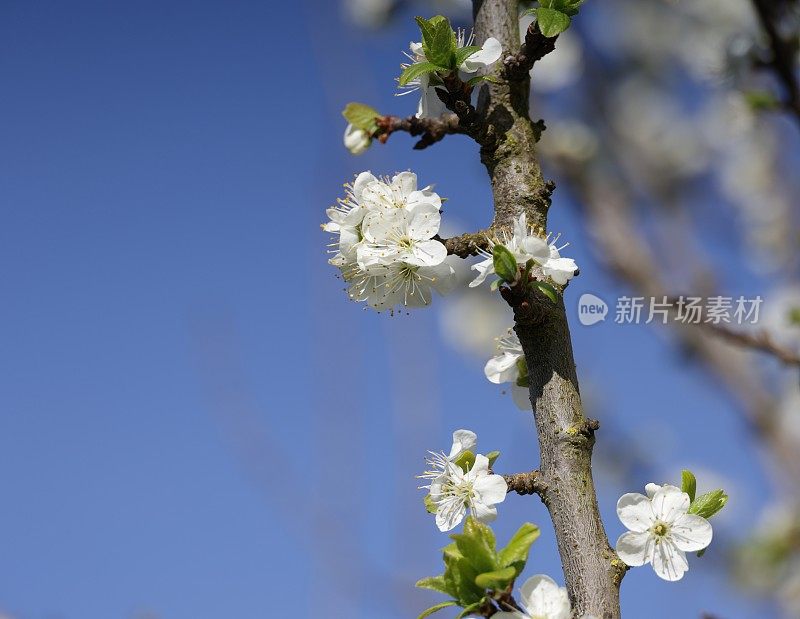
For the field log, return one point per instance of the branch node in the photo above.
(527, 483)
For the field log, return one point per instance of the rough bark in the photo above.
(592, 570)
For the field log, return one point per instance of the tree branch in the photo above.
(761, 341)
(592, 570)
(466, 245)
(432, 130)
(526, 483)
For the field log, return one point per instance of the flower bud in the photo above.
(356, 140)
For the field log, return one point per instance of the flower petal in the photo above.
(463, 440)
(424, 222)
(480, 468)
(560, 270)
(362, 180)
(491, 489)
(650, 489)
(669, 563)
(635, 512)
(635, 549)
(484, 269)
(430, 105)
(404, 183)
(536, 248)
(427, 254)
(449, 515)
(521, 397)
(489, 54)
(502, 369)
(669, 503)
(483, 512)
(691, 533)
(442, 277)
(423, 196)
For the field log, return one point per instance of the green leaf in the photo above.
(477, 546)
(505, 265)
(515, 553)
(465, 460)
(552, 22)
(708, 504)
(435, 583)
(689, 484)
(462, 53)
(361, 116)
(438, 40)
(568, 7)
(497, 579)
(413, 71)
(430, 506)
(547, 290)
(492, 456)
(460, 577)
(436, 608)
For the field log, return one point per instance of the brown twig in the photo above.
(535, 47)
(432, 130)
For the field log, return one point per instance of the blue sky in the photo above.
(194, 422)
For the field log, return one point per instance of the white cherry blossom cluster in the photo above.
(509, 366)
(525, 244)
(384, 242)
(453, 490)
(661, 530)
(430, 105)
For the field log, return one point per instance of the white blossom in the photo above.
(661, 530)
(508, 366)
(383, 242)
(356, 140)
(430, 105)
(454, 492)
(541, 598)
(525, 244)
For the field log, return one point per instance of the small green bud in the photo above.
(708, 504)
(689, 484)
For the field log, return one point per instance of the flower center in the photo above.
(660, 530)
(405, 242)
(462, 492)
